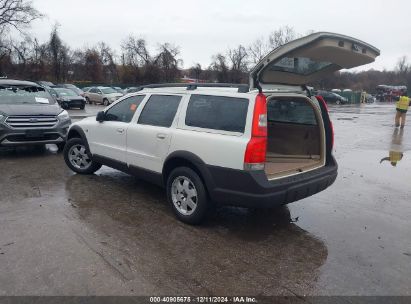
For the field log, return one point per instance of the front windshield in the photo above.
(65, 92)
(108, 91)
(24, 95)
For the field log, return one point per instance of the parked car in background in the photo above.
(331, 97)
(102, 95)
(49, 87)
(72, 87)
(118, 89)
(46, 83)
(29, 115)
(67, 98)
(369, 98)
(131, 90)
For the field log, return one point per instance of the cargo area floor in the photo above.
(281, 165)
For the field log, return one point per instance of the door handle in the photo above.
(120, 130)
(161, 135)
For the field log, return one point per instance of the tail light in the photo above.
(321, 99)
(255, 153)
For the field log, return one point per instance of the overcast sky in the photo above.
(202, 28)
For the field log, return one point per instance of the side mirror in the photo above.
(101, 116)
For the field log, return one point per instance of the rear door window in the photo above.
(217, 112)
(160, 110)
(296, 111)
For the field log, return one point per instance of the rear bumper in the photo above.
(252, 189)
(76, 103)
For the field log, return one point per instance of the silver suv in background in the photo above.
(29, 115)
(102, 95)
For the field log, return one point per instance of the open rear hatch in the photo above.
(296, 131)
(309, 58)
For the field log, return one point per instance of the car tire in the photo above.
(88, 100)
(187, 195)
(78, 158)
(106, 102)
(82, 107)
(337, 102)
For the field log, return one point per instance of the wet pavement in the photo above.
(111, 234)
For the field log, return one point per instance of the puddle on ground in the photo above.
(396, 151)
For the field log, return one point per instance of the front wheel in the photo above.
(105, 102)
(187, 195)
(78, 158)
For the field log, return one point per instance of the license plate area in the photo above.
(35, 133)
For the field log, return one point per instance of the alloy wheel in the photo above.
(184, 195)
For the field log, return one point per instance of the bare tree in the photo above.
(238, 58)
(402, 66)
(59, 56)
(5, 56)
(219, 67)
(281, 36)
(17, 14)
(257, 50)
(136, 60)
(168, 62)
(239, 64)
(135, 51)
(108, 59)
(93, 65)
(196, 71)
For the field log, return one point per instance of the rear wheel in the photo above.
(105, 102)
(78, 158)
(82, 107)
(187, 195)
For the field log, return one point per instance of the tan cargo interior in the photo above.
(293, 147)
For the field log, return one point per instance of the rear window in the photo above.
(217, 113)
(291, 111)
(298, 65)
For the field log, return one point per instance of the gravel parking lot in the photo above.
(111, 234)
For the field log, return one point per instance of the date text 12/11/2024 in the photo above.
(240, 299)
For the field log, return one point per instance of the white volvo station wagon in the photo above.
(260, 145)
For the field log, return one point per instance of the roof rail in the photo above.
(242, 88)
